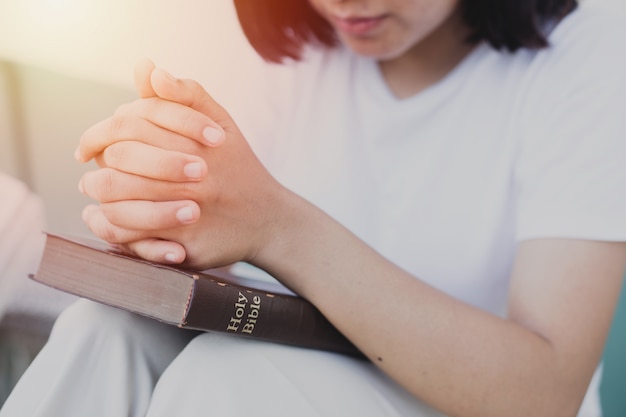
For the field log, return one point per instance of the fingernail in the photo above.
(193, 170)
(81, 187)
(87, 212)
(171, 257)
(213, 136)
(168, 75)
(77, 155)
(185, 214)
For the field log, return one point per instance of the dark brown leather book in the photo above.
(212, 300)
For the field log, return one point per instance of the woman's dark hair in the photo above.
(278, 29)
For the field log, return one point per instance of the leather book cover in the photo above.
(212, 300)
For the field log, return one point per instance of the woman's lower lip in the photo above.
(359, 26)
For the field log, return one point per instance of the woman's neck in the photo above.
(428, 61)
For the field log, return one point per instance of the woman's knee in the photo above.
(85, 317)
(89, 320)
(100, 330)
(245, 376)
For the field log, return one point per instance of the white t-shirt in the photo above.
(446, 183)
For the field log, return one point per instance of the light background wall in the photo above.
(102, 39)
(55, 109)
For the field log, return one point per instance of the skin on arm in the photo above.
(457, 358)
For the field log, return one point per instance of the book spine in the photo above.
(281, 318)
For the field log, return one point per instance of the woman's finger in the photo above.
(157, 250)
(181, 119)
(107, 185)
(150, 216)
(189, 93)
(100, 226)
(95, 139)
(141, 76)
(133, 241)
(149, 120)
(153, 162)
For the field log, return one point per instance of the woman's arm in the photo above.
(465, 362)
(461, 360)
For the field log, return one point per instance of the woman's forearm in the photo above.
(455, 357)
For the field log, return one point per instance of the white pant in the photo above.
(101, 361)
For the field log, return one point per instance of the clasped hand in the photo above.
(177, 182)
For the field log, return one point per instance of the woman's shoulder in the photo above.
(589, 30)
(584, 60)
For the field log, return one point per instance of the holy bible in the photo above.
(212, 300)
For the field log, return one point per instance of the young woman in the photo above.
(443, 179)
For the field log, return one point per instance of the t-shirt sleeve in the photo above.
(571, 169)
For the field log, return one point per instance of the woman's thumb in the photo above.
(142, 76)
(188, 93)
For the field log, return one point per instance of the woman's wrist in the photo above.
(297, 246)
